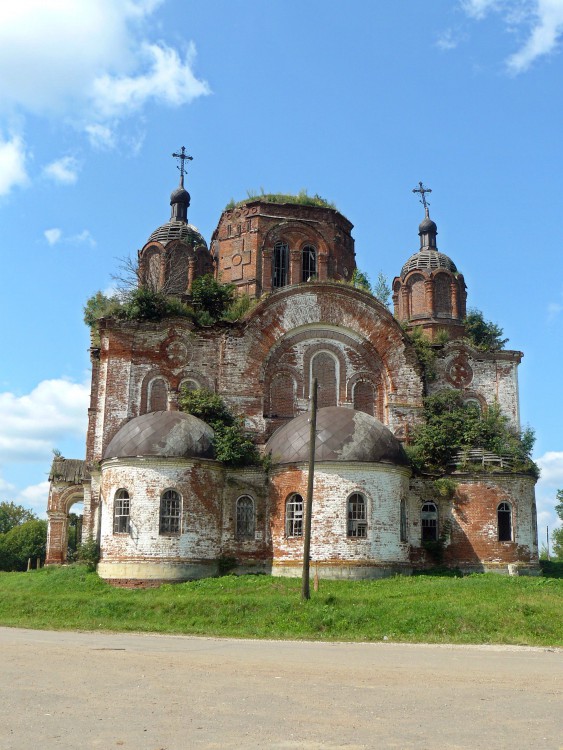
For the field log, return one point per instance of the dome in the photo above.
(428, 259)
(342, 435)
(180, 195)
(162, 433)
(178, 230)
(427, 225)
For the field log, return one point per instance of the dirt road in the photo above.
(144, 692)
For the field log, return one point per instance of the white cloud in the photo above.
(168, 80)
(447, 40)
(31, 425)
(100, 136)
(64, 170)
(540, 20)
(52, 235)
(62, 57)
(56, 235)
(12, 164)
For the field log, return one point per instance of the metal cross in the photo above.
(421, 189)
(182, 156)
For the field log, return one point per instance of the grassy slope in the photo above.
(474, 609)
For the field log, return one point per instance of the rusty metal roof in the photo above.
(68, 470)
(162, 433)
(342, 435)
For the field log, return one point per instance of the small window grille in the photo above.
(294, 516)
(429, 522)
(504, 516)
(170, 512)
(357, 516)
(121, 508)
(245, 517)
(281, 260)
(229, 230)
(403, 522)
(308, 263)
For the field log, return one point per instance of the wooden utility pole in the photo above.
(305, 587)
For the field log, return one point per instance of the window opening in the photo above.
(357, 516)
(308, 263)
(158, 395)
(403, 522)
(245, 517)
(121, 508)
(170, 511)
(504, 517)
(294, 516)
(429, 522)
(281, 260)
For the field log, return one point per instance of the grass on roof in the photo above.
(302, 198)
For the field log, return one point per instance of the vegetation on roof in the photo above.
(452, 426)
(482, 334)
(302, 198)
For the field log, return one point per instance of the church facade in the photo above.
(164, 509)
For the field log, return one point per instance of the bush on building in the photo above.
(302, 198)
(211, 298)
(232, 445)
(450, 426)
(481, 333)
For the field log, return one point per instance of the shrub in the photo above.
(27, 540)
(88, 553)
(211, 297)
(483, 334)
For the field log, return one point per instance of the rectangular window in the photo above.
(170, 513)
(294, 516)
(121, 509)
(357, 521)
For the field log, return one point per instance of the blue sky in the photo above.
(355, 101)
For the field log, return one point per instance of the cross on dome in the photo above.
(422, 190)
(182, 156)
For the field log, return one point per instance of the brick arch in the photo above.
(151, 265)
(416, 285)
(59, 505)
(296, 234)
(348, 311)
(277, 368)
(375, 384)
(443, 303)
(145, 389)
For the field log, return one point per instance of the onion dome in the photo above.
(164, 434)
(343, 434)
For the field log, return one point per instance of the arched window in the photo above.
(189, 384)
(417, 295)
(403, 521)
(177, 271)
(281, 264)
(324, 369)
(121, 508)
(504, 519)
(442, 295)
(158, 395)
(364, 397)
(357, 516)
(474, 403)
(294, 516)
(170, 512)
(245, 517)
(282, 395)
(308, 263)
(429, 522)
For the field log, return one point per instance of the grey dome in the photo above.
(180, 195)
(428, 259)
(178, 230)
(342, 435)
(427, 225)
(162, 433)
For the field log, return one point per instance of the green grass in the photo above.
(433, 609)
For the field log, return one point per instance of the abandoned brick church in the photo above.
(163, 508)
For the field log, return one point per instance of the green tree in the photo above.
(557, 534)
(27, 540)
(360, 279)
(12, 515)
(483, 334)
(381, 289)
(211, 297)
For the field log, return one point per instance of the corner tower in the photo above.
(175, 253)
(430, 293)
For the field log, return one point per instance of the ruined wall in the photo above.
(380, 552)
(487, 376)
